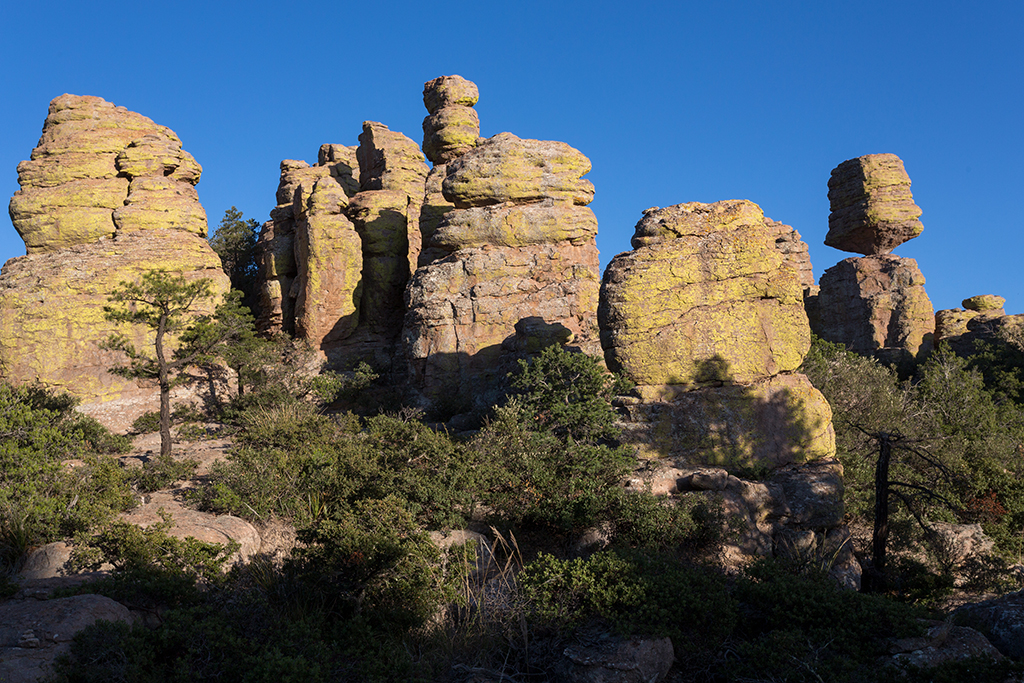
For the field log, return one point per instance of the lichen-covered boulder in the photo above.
(873, 211)
(703, 298)
(985, 303)
(514, 225)
(876, 305)
(75, 189)
(388, 160)
(52, 321)
(505, 168)
(446, 91)
(760, 426)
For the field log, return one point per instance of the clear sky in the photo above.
(672, 101)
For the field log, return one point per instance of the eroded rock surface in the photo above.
(107, 196)
(517, 243)
(98, 170)
(873, 211)
(876, 305)
(703, 298)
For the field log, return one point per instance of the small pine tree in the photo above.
(163, 303)
(235, 243)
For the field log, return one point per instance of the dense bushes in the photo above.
(956, 454)
(54, 479)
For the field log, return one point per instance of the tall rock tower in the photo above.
(509, 260)
(106, 196)
(875, 304)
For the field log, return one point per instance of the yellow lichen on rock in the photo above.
(704, 298)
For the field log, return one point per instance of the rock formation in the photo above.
(341, 243)
(446, 260)
(873, 211)
(794, 251)
(983, 318)
(518, 244)
(706, 317)
(106, 196)
(875, 305)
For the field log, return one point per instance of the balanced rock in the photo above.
(100, 169)
(703, 298)
(873, 211)
(876, 305)
(985, 303)
(452, 126)
(107, 196)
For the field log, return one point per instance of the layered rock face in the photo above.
(794, 251)
(707, 318)
(100, 169)
(875, 305)
(341, 245)
(106, 196)
(518, 245)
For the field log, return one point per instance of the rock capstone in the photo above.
(873, 211)
(100, 169)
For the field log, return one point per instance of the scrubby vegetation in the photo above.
(368, 595)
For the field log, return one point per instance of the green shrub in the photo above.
(805, 628)
(636, 593)
(535, 477)
(53, 480)
(568, 394)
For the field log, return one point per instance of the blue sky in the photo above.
(672, 102)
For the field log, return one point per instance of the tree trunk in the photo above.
(165, 389)
(881, 533)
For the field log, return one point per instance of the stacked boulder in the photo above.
(875, 304)
(982, 318)
(451, 128)
(437, 276)
(107, 196)
(509, 259)
(706, 316)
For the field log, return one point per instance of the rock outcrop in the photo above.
(707, 319)
(106, 196)
(983, 319)
(794, 251)
(875, 305)
(519, 243)
(341, 244)
(99, 170)
(706, 316)
(873, 211)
